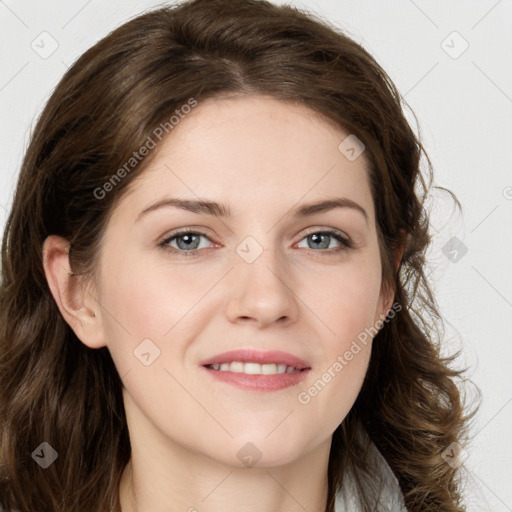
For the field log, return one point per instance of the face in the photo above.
(264, 278)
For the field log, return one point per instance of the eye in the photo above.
(188, 242)
(322, 240)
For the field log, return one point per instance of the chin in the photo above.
(261, 451)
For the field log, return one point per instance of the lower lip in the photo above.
(259, 382)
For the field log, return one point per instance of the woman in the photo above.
(173, 336)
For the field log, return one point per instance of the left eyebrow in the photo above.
(324, 206)
(216, 209)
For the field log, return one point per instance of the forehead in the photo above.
(253, 150)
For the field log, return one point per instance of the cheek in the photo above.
(151, 299)
(348, 303)
(141, 303)
(347, 312)
(340, 384)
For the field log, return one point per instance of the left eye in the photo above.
(188, 242)
(319, 238)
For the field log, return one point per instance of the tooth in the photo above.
(268, 369)
(252, 368)
(237, 367)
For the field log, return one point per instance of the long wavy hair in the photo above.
(55, 389)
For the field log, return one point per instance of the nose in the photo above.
(262, 292)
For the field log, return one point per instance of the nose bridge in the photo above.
(261, 257)
(259, 287)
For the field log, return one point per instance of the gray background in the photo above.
(463, 100)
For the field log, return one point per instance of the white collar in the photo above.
(389, 497)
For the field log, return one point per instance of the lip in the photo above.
(256, 356)
(259, 382)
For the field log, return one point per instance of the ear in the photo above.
(400, 250)
(78, 305)
(388, 295)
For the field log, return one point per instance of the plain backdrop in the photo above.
(452, 62)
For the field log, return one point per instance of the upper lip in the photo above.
(255, 356)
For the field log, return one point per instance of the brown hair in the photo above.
(55, 389)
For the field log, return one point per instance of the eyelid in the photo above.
(329, 231)
(185, 231)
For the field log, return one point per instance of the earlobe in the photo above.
(77, 305)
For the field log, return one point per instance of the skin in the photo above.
(263, 157)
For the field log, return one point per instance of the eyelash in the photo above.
(337, 235)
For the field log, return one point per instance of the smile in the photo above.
(254, 368)
(252, 376)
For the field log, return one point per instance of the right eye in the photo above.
(188, 242)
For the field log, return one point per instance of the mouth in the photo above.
(252, 368)
(256, 370)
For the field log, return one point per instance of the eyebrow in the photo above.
(221, 210)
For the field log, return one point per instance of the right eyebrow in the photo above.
(195, 206)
